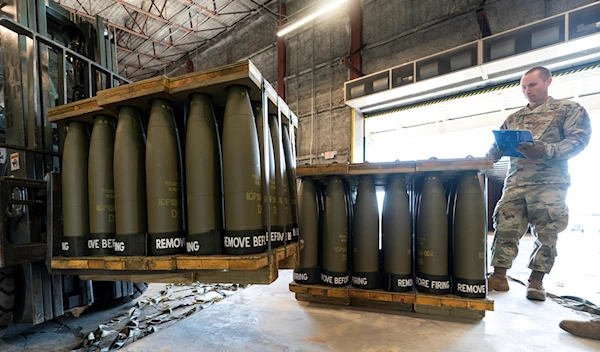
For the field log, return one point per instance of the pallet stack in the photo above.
(472, 304)
(150, 264)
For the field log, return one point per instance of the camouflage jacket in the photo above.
(563, 126)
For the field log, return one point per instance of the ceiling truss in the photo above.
(152, 35)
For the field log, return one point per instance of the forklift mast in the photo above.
(48, 57)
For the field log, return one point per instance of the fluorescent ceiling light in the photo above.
(332, 5)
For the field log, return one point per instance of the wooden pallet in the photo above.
(321, 294)
(136, 94)
(214, 82)
(250, 269)
(397, 167)
(447, 305)
(177, 89)
(81, 110)
(463, 164)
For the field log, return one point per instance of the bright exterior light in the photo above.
(332, 5)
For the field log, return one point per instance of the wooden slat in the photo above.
(67, 263)
(264, 275)
(382, 296)
(249, 269)
(289, 262)
(248, 264)
(188, 82)
(322, 299)
(395, 301)
(453, 301)
(175, 278)
(215, 81)
(400, 297)
(322, 170)
(178, 89)
(288, 256)
(398, 167)
(82, 110)
(135, 94)
(454, 164)
(320, 290)
(167, 263)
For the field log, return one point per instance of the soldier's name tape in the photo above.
(433, 283)
(397, 283)
(470, 288)
(333, 278)
(369, 281)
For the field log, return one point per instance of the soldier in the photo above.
(536, 186)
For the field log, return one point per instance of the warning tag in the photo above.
(14, 162)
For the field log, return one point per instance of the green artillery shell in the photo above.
(76, 224)
(269, 204)
(290, 160)
(163, 180)
(365, 237)
(101, 187)
(469, 238)
(308, 270)
(203, 178)
(432, 238)
(334, 271)
(130, 184)
(242, 176)
(396, 233)
(281, 181)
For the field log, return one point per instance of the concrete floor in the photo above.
(268, 318)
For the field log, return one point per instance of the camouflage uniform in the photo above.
(535, 190)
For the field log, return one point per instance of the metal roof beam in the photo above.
(119, 27)
(149, 57)
(151, 15)
(193, 29)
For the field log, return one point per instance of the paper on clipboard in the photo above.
(509, 140)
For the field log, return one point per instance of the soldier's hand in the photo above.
(533, 152)
(496, 155)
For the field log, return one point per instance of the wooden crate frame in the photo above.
(250, 269)
(412, 301)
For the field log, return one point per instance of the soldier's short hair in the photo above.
(544, 72)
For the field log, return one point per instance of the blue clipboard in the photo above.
(509, 140)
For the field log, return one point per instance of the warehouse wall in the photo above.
(394, 32)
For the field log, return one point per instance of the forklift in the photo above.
(49, 57)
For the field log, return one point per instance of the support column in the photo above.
(281, 54)
(355, 38)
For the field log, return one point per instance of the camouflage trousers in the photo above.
(541, 207)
